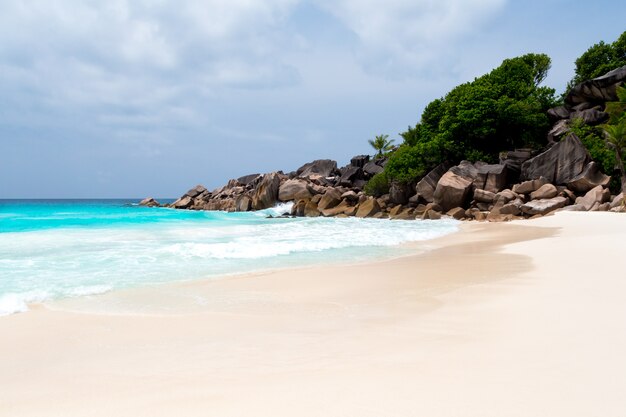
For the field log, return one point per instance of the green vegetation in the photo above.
(377, 185)
(594, 141)
(599, 59)
(615, 131)
(381, 144)
(501, 110)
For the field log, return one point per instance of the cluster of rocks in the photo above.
(586, 101)
(522, 185)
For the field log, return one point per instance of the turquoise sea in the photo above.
(51, 249)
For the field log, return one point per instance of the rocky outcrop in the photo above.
(149, 202)
(560, 164)
(586, 101)
(597, 90)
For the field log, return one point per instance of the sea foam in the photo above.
(89, 249)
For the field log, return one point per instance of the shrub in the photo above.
(377, 185)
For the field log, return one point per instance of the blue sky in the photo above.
(134, 98)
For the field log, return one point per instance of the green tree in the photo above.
(381, 144)
(504, 109)
(599, 59)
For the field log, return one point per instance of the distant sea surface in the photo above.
(52, 249)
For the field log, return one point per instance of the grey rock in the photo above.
(528, 187)
(399, 193)
(372, 168)
(484, 196)
(544, 192)
(149, 202)
(557, 113)
(596, 195)
(425, 188)
(543, 207)
(359, 160)
(560, 164)
(593, 116)
(350, 174)
(590, 178)
(322, 167)
(248, 179)
(491, 178)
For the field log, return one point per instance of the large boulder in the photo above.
(425, 188)
(513, 161)
(322, 167)
(558, 113)
(491, 178)
(484, 196)
(452, 190)
(295, 189)
(183, 202)
(243, 203)
(372, 168)
(600, 89)
(330, 199)
(546, 191)
(149, 202)
(544, 206)
(595, 196)
(266, 193)
(593, 116)
(560, 164)
(359, 161)
(368, 208)
(399, 193)
(349, 175)
(590, 178)
(248, 179)
(196, 191)
(528, 187)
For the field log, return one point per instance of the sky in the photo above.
(134, 98)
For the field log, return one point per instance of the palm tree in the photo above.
(381, 144)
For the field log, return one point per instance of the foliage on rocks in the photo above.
(504, 109)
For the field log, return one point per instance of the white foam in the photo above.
(18, 302)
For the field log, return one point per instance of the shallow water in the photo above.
(52, 249)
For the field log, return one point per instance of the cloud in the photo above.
(396, 36)
(149, 58)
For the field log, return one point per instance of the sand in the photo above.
(517, 319)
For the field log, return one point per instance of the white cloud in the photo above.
(397, 35)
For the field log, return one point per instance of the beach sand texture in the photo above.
(499, 320)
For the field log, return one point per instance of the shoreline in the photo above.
(500, 319)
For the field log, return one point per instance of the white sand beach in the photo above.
(499, 320)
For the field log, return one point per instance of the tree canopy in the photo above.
(600, 59)
(502, 110)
